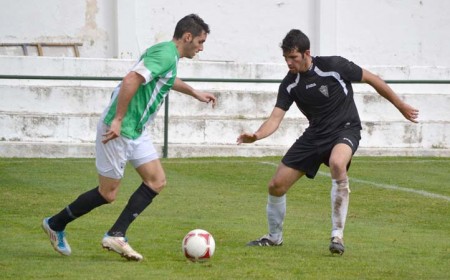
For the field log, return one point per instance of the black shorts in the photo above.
(308, 153)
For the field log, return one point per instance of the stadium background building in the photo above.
(59, 61)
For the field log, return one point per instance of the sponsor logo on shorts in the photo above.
(348, 140)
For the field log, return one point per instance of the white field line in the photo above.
(383, 186)
(393, 187)
(375, 160)
(377, 185)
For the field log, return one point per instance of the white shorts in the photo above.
(112, 157)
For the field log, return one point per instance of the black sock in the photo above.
(80, 206)
(137, 203)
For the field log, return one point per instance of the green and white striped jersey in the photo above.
(158, 65)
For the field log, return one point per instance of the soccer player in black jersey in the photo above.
(322, 90)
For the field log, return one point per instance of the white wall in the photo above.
(92, 22)
(370, 32)
(57, 118)
(400, 32)
(396, 39)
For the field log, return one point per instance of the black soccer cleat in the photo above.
(265, 242)
(337, 245)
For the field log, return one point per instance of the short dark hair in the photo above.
(295, 40)
(191, 23)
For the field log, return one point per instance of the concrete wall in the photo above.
(57, 118)
(399, 40)
(369, 32)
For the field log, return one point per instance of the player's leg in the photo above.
(281, 182)
(340, 158)
(153, 178)
(55, 226)
(301, 159)
(110, 162)
(283, 179)
(153, 181)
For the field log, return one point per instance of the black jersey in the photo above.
(324, 94)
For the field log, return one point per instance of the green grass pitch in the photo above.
(398, 225)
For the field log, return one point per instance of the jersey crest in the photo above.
(324, 90)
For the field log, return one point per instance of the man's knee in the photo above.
(338, 166)
(276, 188)
(156, 185)
(108, 194)
(108, 188)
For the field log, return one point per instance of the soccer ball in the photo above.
(198, 245)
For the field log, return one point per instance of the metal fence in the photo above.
(206, 80)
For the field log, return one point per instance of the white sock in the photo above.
(276, 210)
(339, 206)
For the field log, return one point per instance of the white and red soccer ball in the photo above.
(198, 245)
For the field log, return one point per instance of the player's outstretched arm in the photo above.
(409, 112)
(202, 96)
(266, 129)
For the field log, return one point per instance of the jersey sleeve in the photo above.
(284, 99)
(143, 71)
(348, 70)
(153, 63)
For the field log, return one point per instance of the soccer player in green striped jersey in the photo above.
(122, 137)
